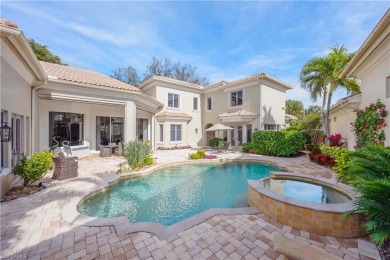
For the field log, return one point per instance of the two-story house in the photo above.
(254, 102)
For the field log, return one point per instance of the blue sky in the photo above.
(225, 40)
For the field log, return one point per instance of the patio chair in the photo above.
(65, 167)
(104, 151)
(118, 150)
(225, 147)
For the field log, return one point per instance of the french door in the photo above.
(16, 143)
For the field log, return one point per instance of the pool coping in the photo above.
(168, 233)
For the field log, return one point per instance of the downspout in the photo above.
(33, 112)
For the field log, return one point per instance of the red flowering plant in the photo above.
(336, 140)
(369, 124)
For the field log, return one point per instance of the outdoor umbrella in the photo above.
(218, 127)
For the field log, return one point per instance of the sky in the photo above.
(225, 40)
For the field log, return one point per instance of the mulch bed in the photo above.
(384, 250)
(21, 191)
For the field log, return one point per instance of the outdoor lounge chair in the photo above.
(225, 146)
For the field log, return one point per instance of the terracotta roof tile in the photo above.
(68, 73)
(243, 113)
(259, 75)
(173, 114)
(171, 80)
(8, 23)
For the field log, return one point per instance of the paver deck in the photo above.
(31, 227)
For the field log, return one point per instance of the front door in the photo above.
(16, 142)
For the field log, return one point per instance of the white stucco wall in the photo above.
(90, 112)
(191, 131)
(15, 100)
(373, 73)
(273, 100)
(341, 123)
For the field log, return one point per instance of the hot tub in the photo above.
(313, 205)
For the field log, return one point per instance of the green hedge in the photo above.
(278, 143)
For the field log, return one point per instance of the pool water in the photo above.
(173, 194)
(306, 191)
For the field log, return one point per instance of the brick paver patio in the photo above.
(31, 227)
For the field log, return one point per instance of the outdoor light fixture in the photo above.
(6, 132)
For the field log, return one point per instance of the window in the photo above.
(109, 130)
(173, 100)
(209, 103)
(272, 127)
(66, 127)
(195, 104)
(236, 98)
(175, 133)
(248, 133)
(161, 133)
(388, 87)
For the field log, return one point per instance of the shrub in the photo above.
(336, 140)
(247, 147)
(211, 156)
(214, 141)
(135, 152)
(34, 168)
(278, 143)
(341, 160)
(369, 124)
(149, 160)
(200, 154)
(314, 139)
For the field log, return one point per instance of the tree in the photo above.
(177, 70)
(313, 109)
(43, 53)
(127, 74)
(321, 77)
(294, 107)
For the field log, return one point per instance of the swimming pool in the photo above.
(173, 194)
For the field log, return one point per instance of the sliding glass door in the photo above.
(109, 130)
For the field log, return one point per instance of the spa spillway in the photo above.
(313, 205)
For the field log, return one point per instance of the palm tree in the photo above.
(321, 77)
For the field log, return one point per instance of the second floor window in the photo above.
(209, 103)
(236, 98)
(195, 104)
(173, 100)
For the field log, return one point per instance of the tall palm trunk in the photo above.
(327, 117)
(323, 111)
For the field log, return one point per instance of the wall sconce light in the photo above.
(5, 132)
(196, 130)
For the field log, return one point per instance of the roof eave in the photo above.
(355, 62)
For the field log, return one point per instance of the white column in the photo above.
(152, 134)
(244, 132)
(236, 135)
(130, 121)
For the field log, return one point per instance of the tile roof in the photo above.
(171, 80)
(173, 114)
(71, 74)
(243, 113)
(259, 75)
(8, 23)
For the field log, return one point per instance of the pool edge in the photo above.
(168, 233)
